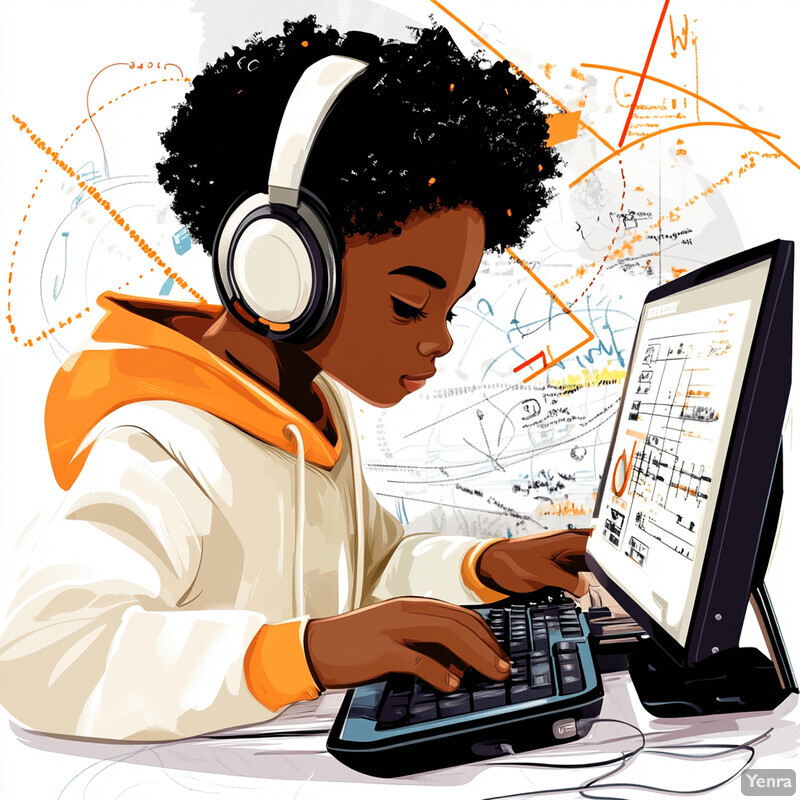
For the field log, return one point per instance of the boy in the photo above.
(217, 555)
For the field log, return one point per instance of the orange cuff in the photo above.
(275, 665)
(469, 573)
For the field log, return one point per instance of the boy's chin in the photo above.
(384, 399)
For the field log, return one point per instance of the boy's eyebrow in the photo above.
(420, 273)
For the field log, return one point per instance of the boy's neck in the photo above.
(282, 368)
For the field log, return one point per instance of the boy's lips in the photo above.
(413, 382)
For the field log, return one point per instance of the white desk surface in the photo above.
(38, 767)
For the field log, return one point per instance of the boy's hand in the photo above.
(554, 558)
(433, 640)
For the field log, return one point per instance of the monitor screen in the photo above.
(655, 510)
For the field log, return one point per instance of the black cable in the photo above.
(627, 758)
(731, 748)
(581, 765)
(709, 745)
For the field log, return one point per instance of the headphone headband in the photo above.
(276, 260)
(310, 102)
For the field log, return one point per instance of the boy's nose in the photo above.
(437, 349)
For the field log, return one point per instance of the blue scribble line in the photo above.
(604, 332)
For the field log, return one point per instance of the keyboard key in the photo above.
(564, 647)
(365, 702)
(570, 677)
(572, 684)
(394, 706)
(454, 703)
(540, 672)
(520, 672)
(422, 707)
(524, 693)
(518, 638)
(492, 695)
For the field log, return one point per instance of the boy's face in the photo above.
(397, 294)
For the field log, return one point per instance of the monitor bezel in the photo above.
(730, 558)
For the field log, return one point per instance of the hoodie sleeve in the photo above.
(99, 641)
(420, 564)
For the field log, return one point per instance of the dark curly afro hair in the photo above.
(423, 127)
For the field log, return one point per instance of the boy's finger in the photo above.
(477, 651)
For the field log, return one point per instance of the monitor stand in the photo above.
(732, 681)
(737, 680)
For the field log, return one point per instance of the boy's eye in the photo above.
(406, 311)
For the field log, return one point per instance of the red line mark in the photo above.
(644, 72)
(530, 361)
(557, 301)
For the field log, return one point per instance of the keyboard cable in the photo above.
(627, 758)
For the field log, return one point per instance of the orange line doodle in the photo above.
(89, 111)
(682, 38)
(755, 131)
(553, 360)
(659, 133)
(516, 69)
(627, 467)
(562, 127)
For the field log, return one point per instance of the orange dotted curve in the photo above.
(553, 296)
(610, 248)
(97, 196)
(673, 215)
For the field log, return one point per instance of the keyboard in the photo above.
(401, 725)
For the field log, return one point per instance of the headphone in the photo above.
(276, 260)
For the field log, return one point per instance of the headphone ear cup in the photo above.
(271, 269)
(278, 268)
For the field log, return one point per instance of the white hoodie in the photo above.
(198, 508)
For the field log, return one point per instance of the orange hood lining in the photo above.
(157, 362)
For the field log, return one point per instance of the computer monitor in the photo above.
(679, 524)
